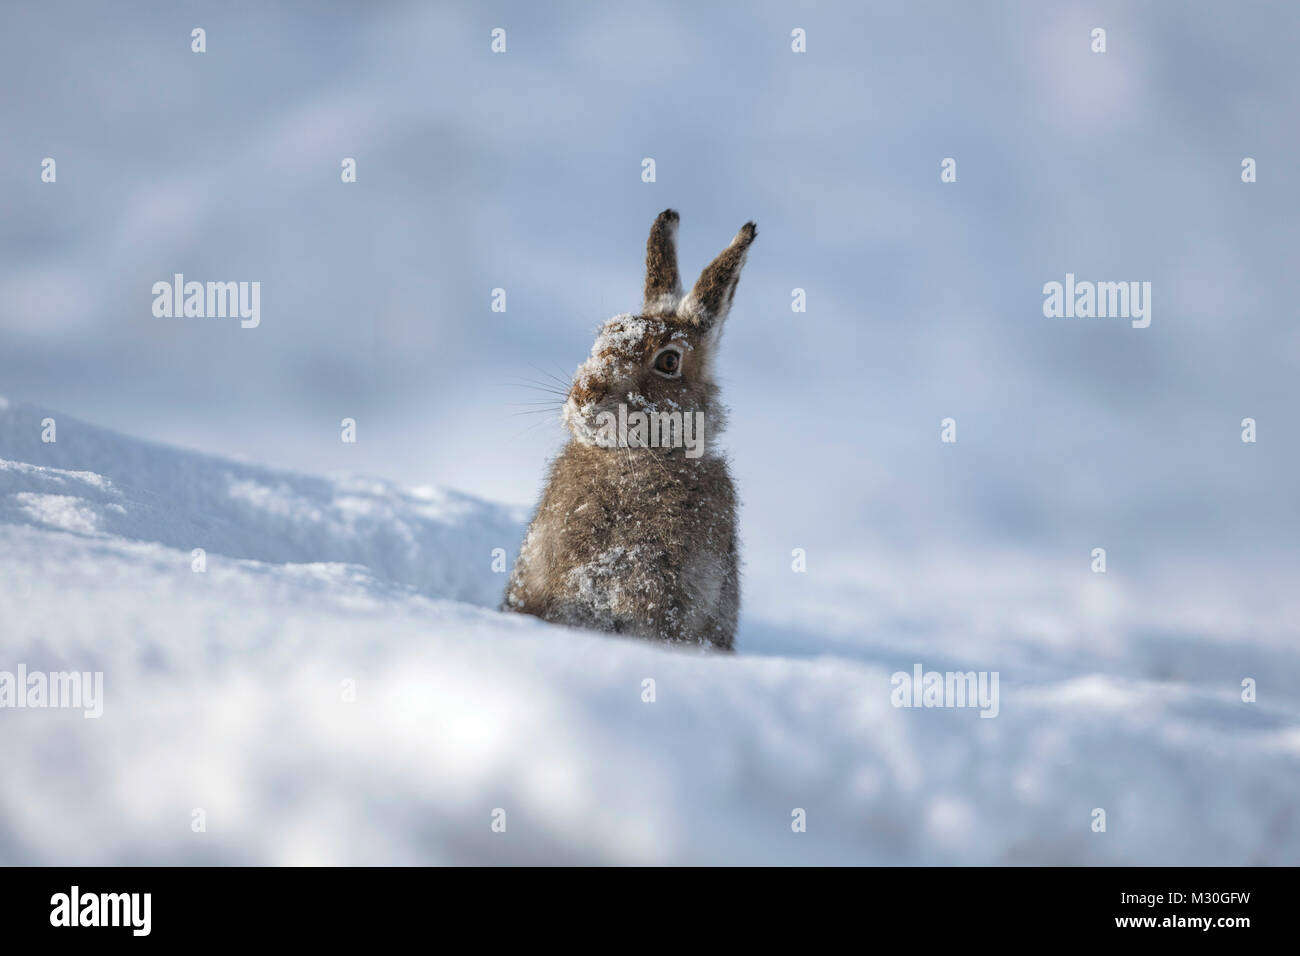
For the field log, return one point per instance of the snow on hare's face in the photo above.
(645, 363)
(661, 361)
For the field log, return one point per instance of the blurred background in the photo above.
(522, 171)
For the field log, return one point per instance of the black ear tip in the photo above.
(669, 215)
(749, 230)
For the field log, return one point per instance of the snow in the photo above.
(336, 687)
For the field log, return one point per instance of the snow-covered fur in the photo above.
(634, 538)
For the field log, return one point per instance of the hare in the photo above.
(635, 532)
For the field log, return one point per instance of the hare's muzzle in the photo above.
(586, 393)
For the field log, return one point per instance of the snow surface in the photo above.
(224, 691)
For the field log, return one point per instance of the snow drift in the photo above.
(335, 687)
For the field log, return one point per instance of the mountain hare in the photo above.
(636, 530)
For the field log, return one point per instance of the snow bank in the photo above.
(90, 479)
(328, 691)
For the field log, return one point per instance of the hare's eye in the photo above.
(669, 363)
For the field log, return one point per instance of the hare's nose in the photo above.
(588, 392)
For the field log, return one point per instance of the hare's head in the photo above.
(660, 361)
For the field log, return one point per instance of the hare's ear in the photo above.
(663, 286)
(710, 300)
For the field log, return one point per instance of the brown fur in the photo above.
(676, 578)
(716, 286)
(642, 540)
(661, 278)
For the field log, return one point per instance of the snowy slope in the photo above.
(93, 480)
(224, 691)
